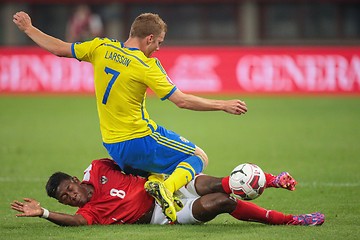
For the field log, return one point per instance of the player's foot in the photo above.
(312, 219)
(178, 203)
(163, 197)
(283, 180)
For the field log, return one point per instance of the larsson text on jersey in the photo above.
(117, 58)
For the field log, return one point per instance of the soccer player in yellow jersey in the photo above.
(123, 71)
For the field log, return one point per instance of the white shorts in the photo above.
(188, 196)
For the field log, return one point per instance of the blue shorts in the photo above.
(159, 152)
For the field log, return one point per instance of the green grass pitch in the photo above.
(316, 139)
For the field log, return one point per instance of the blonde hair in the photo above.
(146, 24)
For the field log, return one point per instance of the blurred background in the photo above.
(197, 22)
(212, 46)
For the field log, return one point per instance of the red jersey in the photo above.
(117, 198)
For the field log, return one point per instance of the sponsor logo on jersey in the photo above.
(103, 180)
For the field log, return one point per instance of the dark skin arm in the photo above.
(32, 208)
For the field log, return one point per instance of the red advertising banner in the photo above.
(199, 69)
(264, 70)
(29, 70)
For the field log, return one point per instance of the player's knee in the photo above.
(224, 203)
(218, 203)
(202, 155)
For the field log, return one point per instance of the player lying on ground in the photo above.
(108, 196)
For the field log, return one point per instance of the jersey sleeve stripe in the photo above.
(159, 65)
(117, 48)
(169, 94)
(73, 50)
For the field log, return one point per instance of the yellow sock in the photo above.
(183, 174)
(156, 177)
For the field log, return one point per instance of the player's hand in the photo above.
(22, 21)
(28, 208)
(236, 107)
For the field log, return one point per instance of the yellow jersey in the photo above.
(121, 77)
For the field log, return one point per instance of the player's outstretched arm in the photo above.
(47, 42)
(191, 102)
(32, 208)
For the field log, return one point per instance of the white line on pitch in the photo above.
(329, 184)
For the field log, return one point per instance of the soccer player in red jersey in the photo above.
(108, 196)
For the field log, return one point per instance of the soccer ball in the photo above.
(247, 181)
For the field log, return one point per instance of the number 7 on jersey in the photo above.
(115, 75)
